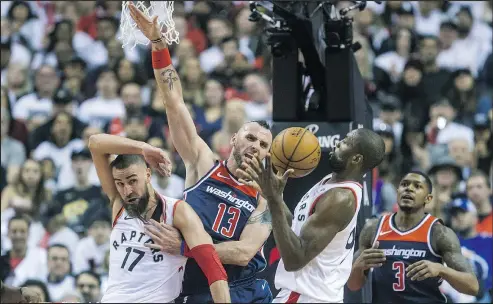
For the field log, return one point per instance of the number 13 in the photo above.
(233, 221)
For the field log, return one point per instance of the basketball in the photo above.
(295, 148)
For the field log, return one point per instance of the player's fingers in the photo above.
(243, 174)
(154, 223)
(376, 265)
(415, 270)
(419, 276)
(154, 20)
(252, 173)
(286, 174)
(410, 267)
(424, 277)
(375, 255)
(253, 164)
(153, 246)
(154, 236)
(370, 251)
(373, 261)
(377, 243)
(268, 164)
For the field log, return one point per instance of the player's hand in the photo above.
(255, 174)
(423, 269)
(157, 159)
(370, 258)
(149, 27)
(166, 237)
(30, 295)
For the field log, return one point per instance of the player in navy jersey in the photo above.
(407, 251)
(235, 216)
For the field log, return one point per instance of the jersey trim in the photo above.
(174, 208)
(428, 239)
(421, 223)
(293, 297)
(379, 228)
(207, 175)
(118, 215)
(231, 174)
(315, 202)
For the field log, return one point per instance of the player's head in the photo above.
(132, 179)
(360, 151)
(253, 137)
(414, 192)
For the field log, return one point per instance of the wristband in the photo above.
(161, 59)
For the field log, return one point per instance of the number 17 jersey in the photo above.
(224, 205)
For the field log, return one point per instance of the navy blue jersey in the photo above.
(403, 248)
(224, 205)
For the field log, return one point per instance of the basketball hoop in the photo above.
(131, 35)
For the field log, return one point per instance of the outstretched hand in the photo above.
(149, 27)
(253, 173)
(158, 160)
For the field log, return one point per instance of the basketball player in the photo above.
(317, 243)
(233, 214)
(407, 250)
(18, 295)
(137, 273)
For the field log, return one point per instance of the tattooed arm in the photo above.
(253, 237)
(192, 149)
(458, 272)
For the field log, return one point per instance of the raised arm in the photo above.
(457, 272)
(253, 237)
(332, 214)
(182, 128)
(366, 257)
(202, 250)
(104, 145)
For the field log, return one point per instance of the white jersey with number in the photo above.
(138, 273)
(324, 277)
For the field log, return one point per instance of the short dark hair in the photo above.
(91, 273)
(426, 177)
(124, 161)
(58, 245)
(263, 123)
(371, 146)
(21, 217)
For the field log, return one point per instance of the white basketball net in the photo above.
(131, 35)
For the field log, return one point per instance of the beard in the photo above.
(237, 155)
(135, 210)
(337, 164)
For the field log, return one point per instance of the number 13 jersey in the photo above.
(324, 277)
(224, 205)
(138, 274)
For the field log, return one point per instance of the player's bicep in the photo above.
(102, 164)
(188, 222)
(332, 214)
(258, 227)
(448, 246)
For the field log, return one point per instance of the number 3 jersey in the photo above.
(402, 249)
(324, 277)
(224, 205)
(138, 273)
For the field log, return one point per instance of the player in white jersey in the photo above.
(317, 243)
(138, 273)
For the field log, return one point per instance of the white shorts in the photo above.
(288, 296)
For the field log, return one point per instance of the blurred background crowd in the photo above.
(427, 66)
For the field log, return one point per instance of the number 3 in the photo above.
(400, 275)
(233, 221)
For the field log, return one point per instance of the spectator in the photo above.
(40, 102)
(80, 197)
(218, 28)
(209, 118)
(92, 249)
(99, 110)
(260, 105)
(479, 192)
(88, 284)
(463, 221)
(234, 118)
(17, 80)
(172, 186)
(21, 262)
(59, 280)
(60, 146)
(13, 151)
